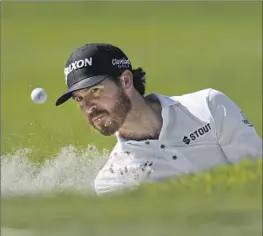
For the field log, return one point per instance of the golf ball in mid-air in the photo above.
(39, 95)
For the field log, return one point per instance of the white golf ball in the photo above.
(39, 95)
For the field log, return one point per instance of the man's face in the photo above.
(105, 105)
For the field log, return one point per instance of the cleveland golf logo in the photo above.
(77, 65)
(196, 134)
(121, 63)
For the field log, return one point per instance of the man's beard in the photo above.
(114, 119)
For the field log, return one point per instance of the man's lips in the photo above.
(97, 118)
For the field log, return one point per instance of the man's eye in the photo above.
(78, 99)
(94, 90)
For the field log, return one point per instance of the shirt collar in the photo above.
(165, 102)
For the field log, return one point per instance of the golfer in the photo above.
(158, 137)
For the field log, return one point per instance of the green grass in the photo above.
(184, 47)
(224, 201)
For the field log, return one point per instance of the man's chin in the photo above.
(105, 131)
(107, 134)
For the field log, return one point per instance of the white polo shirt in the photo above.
(200, 130)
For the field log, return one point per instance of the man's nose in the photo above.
(89, 107)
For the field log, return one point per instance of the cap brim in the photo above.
(85, 83)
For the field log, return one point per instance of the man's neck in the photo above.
(143, 122)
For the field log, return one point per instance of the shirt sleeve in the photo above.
(236, 136)
(106, 183)
(120, 173)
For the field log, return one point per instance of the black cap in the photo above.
(90, 65)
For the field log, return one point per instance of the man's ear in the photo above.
(126, 79)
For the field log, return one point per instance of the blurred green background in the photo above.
(183, 47)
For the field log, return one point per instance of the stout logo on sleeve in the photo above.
(196, 134)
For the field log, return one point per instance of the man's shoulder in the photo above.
(196, 100)
(199, 98)
(198, 95)
(197, 103)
